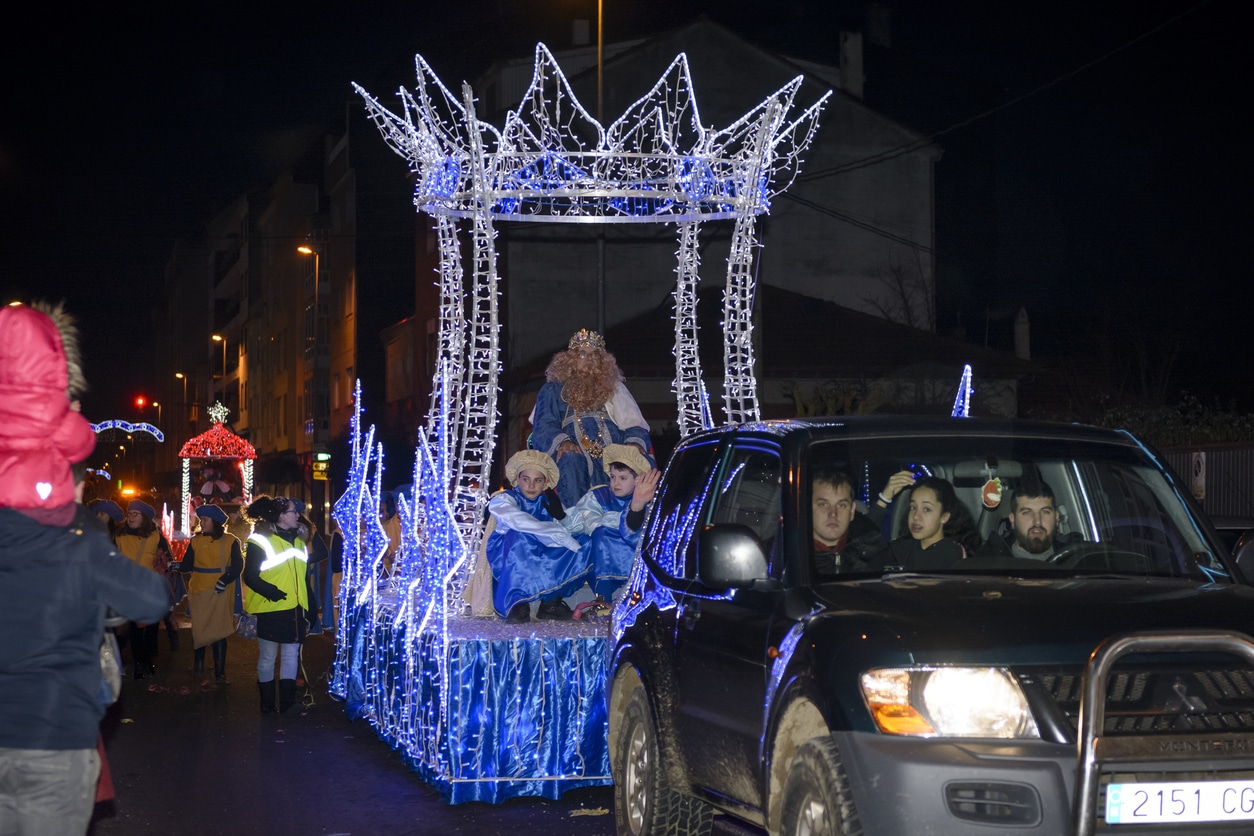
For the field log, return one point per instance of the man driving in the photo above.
(1033, 522)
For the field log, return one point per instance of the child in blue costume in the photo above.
(532, 556)
(613, 515)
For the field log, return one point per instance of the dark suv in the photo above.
(755, 676)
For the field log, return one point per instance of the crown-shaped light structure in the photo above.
(552, 161)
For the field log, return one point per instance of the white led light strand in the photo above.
(962, 402)
(551, 162)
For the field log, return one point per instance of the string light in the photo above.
(128, 427)
(432, 681)
(962, 403)
(216, 443)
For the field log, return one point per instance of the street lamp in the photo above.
(183, 378)
(158, 406)
(218, 338)
(600, 228)
(315, 410)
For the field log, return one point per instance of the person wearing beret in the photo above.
(214, 561)
(612, 515)
(532, 556)
(139, 539)
(108, 512)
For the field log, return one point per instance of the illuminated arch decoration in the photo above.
(551, 162)
(126, 426)
(216, 443)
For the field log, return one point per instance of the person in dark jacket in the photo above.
(845, 540)
(275, 567)
(938, 532)
(59, 573)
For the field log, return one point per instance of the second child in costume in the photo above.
(613, 514)
(532, 556)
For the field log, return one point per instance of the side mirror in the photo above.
(729, 557)
(1243, 551)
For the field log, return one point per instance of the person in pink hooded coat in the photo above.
(59, 573)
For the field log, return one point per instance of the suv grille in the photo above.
(1168, 700)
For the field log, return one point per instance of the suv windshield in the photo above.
(1014, 504)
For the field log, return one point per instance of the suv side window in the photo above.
(677, 509)
(749, 493)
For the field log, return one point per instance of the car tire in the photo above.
(817, 800)
(644, 804)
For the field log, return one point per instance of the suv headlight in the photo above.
(948, 702)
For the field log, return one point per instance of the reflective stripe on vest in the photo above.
(274, 559)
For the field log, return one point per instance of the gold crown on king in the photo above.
(584, 338)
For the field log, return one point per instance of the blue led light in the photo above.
(128, 427)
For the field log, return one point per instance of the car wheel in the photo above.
(644, 805)
(817, 800)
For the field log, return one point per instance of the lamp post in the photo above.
(600, 228)
(218, 338)
(158, 406)
(316, 372)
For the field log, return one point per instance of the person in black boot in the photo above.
(140, 540)
(219, 662)
(213, 561)
(275, 565)
(287, 694)
(266, 689)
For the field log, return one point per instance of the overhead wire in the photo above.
(923, 142)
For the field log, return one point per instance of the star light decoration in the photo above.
(217, 443)
(551, 162)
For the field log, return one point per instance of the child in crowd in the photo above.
(532, 556)
(613, 515)
(941, 530)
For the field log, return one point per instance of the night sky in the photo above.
(1121, 186)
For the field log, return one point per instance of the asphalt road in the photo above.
(193, 760)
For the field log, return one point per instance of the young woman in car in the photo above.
(938, 531)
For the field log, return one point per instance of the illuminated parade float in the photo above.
(482, 709)
(216, 446)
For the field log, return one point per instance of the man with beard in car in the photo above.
(1033, 523)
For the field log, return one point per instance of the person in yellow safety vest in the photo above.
(214, 559)
(139, 539)
(275, 564)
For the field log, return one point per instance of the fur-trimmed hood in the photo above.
(40, 434)
(76, 383)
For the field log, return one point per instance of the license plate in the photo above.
(1182, 801)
